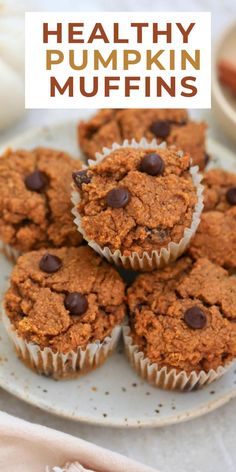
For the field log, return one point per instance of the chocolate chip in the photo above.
(162, 233)
(206, 158)
(50, 263)
(76, 303)
(159, 232)
(81, 177)
(36, 181)
(152, 164)
(224, 355)
(231, 196)
(25, 222)
(160, 128)
(195, 318)
(118, 197)
(140, 305)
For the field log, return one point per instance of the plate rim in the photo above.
(131, 424)
(175, 418)
(35, 130)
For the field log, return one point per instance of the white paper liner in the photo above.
(164, 378)
(157, 259)
(8, 251)
(58, 365)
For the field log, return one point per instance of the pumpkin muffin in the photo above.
(35, 206)
(216, 234)
(137, 201)
(182, 322)
(63, 310)
(220, 190)
(216, 238)
(171, 125)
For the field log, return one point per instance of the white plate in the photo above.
(113, 395)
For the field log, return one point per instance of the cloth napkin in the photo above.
(27, 447)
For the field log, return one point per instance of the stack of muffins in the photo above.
(139, 203)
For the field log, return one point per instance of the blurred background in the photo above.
(13, 118)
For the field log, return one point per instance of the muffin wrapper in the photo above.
(164, 378)
(58, 365)
(157, 259)
(8, 251)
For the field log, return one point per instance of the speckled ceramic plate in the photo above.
(113, 395)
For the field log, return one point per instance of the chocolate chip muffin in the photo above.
(35, 206)
(138, 201)
(182, 319)
(171, 125)
(64, 308)
(216, 238)
(220, 190)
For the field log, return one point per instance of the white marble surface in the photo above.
(206, 444)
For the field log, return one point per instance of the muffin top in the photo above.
(183, 317)
(220, 190)
(64, 299)
(171, 125)
(35, 207)
(137, 200)
(216, 238)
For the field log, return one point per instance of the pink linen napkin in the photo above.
(27, 447)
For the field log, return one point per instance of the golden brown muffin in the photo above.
(171, 125)
(137, 200)
(35, 206)
(216, 238)
(220, 190)
(183, 317)
(63, 299)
